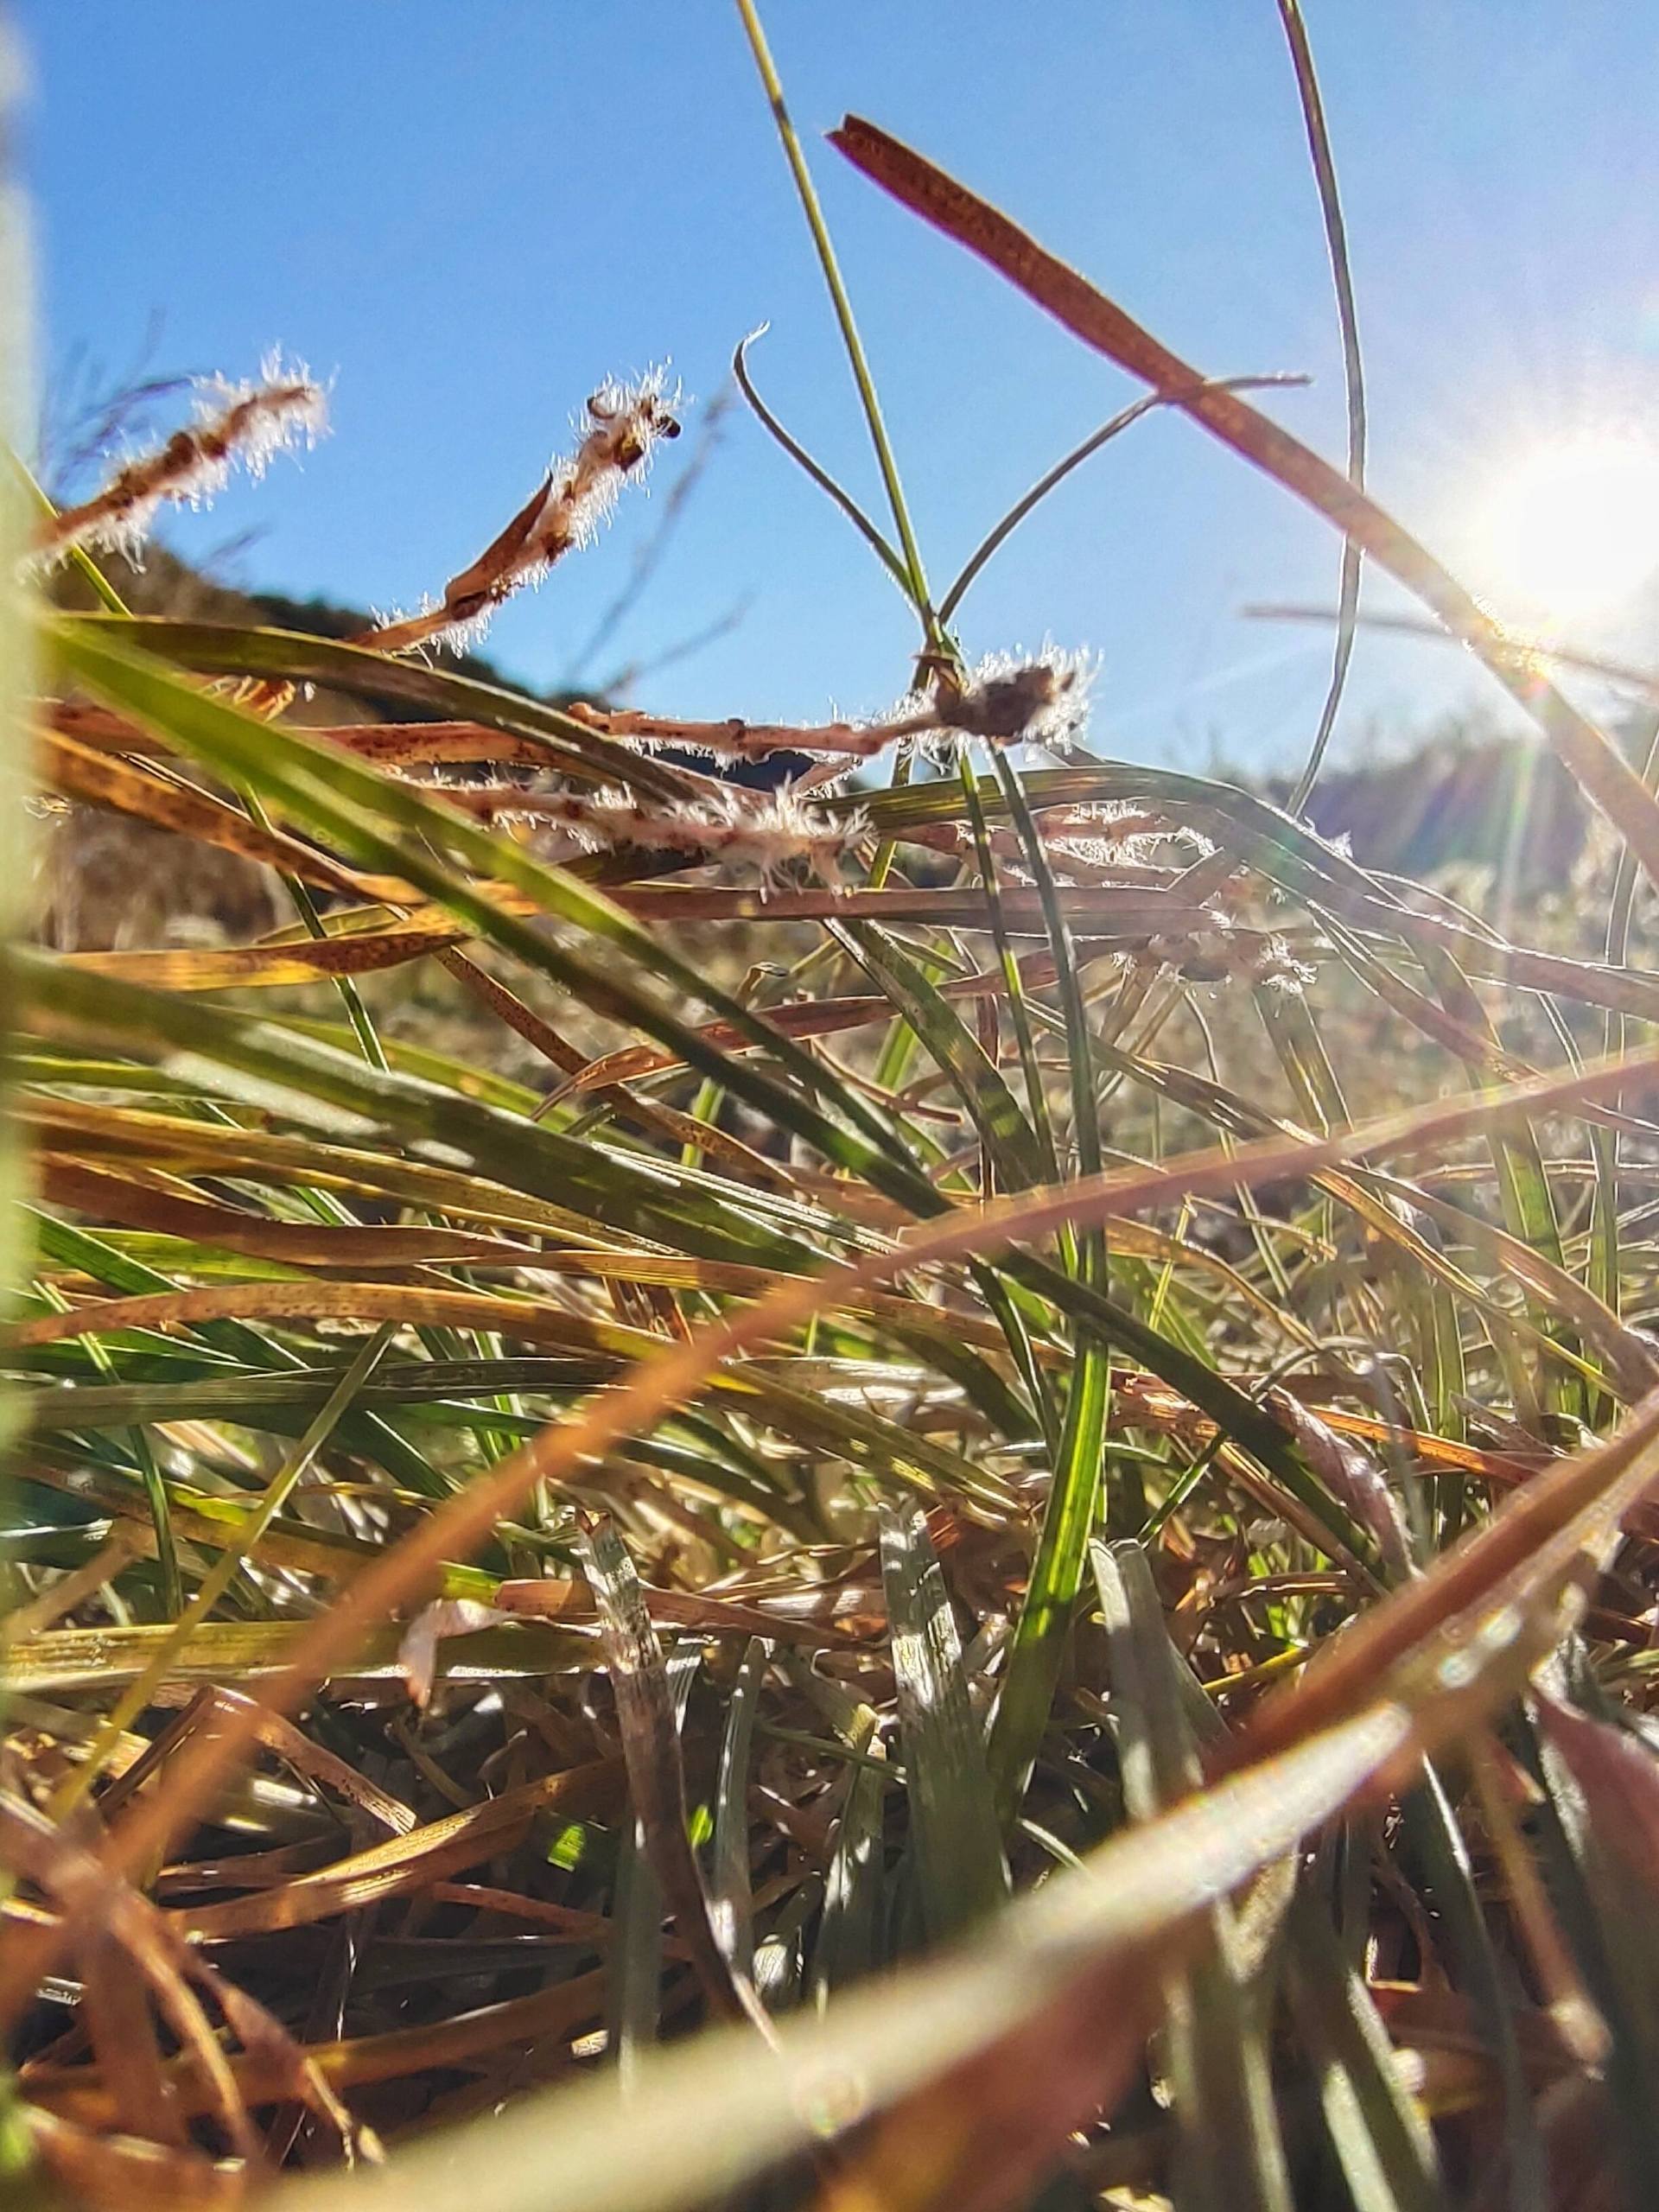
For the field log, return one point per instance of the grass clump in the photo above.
(930, 1576)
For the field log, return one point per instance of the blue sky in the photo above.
(469, 211)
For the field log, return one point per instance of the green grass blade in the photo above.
(959, 1863)
(1231, 2158)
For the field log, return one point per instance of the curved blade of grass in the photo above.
(798, 453)
(337, 1095)
(219, 1576)
(1604, 1275)
(229, 1335)
(1012, 1144)
(846, 1946)
(1523, 1185)
(990, 1104)
(1353, 372)
(258, 1655)
(1069, 1514)
(1383, 2143)
(1436, 1841)
(575, 747)
(916, 575)
(20, 1411)
(1610, 1927)
(634, 1992)
(845, 1430)
(731, 1896)
(141, 1205)
(1004, 528)
(651, 1744)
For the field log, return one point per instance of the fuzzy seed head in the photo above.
(1042, 699)
(620, 425)
(1017, 698)
(283, 407)
(770, 833)
(236, 424)
(1225, 953)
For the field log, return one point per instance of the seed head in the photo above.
(242, 423)
(1042, 701)
(1226, 953)
(620, 425)
(1008, 699)
(770, 832)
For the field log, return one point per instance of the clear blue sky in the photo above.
(469, 211)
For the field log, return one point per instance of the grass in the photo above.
(1008, 1563)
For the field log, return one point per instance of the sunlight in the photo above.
(1569, 530)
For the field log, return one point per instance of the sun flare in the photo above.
(1569, 530)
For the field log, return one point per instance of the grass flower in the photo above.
(770, 832)
(236, 424)
(1008, 699)
(1018, 699)
(622, 424)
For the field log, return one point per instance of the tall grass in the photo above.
(930, 1576)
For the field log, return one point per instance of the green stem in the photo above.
(843, 307)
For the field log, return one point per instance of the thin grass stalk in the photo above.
(1353, 372)
(823, 246)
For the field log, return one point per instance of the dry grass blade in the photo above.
(407, 1862)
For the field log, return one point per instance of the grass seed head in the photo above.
(621, 425)
(237, 424)
(1039, 698)
(770, 833)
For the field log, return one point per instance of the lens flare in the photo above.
(1569, 530)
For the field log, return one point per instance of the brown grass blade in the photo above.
(407, 1862)
(142, 1205)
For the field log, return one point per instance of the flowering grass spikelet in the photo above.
(621, 425)
(1225, 952)
(1024, 699)
(769, 833)
(244, 423)
(1007, 698)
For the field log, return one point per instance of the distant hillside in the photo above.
(166, 585)
(1504, 803)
